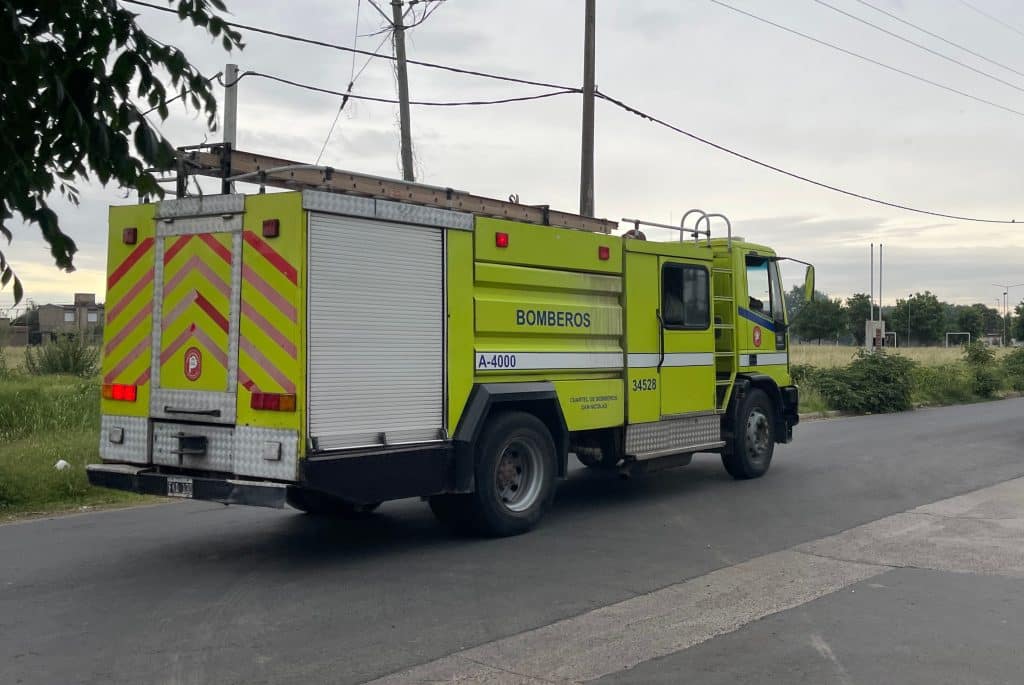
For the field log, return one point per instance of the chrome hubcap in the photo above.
(758, 433)
(518, 476)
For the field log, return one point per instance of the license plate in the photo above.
(179, 486)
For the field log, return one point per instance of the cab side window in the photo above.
(685, 298)
(759, 290)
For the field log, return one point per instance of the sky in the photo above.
(721, 75)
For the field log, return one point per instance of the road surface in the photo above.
(853, 560)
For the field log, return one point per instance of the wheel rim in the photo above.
(759, 435)
(519, 475)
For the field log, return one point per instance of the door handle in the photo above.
(661, 339)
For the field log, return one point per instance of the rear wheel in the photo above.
(515, 475)
(753, 442)
(322, 504)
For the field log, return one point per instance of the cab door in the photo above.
(687, 373)
(763, 339)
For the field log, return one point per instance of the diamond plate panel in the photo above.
(251, 452)
(677, 433)
(219, 446)
(195, 401)
(197, 225)
(134, 434)
(204, 205)
(425, 216)
(336, 203)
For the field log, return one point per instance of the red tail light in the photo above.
(603, 252)
(271, 401)
(501, 239)
(120, 393)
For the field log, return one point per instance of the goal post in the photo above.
(960, 333)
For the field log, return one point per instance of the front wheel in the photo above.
(753, 442)
(515, 474)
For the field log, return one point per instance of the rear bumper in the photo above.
(148, 481)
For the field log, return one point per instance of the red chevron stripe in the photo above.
(143, 378)
(129, 262)
(127, 298)
(286, 383)
(268, 328)
(127, 361)
(215, 245)
(265, 289)
(197, 264)
(129, 327)
(177, 247)
(212, 312)
(276, 260)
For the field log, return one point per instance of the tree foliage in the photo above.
(821, 319)
(858, 310)
(77, 80)
(926, 315)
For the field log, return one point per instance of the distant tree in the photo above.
(1018, 321)
(991, 320)
(822, 319)
(970, 320)
(858, 310)
(927, 317)
(78, 79)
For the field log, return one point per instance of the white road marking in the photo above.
(980, 532)
(825, 650)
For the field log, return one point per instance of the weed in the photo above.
(68, 354)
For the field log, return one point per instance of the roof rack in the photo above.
(696, 231)
(219, 160)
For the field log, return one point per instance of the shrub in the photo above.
(1013, 365)
(942, 384)
(873, 383)
(67, 355)
(981, 360)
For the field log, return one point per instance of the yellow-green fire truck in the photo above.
(358, 339)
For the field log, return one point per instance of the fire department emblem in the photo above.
(193, 363)
(757, 336)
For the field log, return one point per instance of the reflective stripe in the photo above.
(648, 360)
(764, 359)
(536, 361)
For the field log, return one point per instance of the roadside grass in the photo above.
(831, 377)
(14, 358)
(44, 419)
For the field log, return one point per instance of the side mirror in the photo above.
(809, 284)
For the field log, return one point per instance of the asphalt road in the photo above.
(197, 593)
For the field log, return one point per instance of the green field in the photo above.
(44, 419)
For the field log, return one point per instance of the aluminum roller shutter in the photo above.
(376, 332)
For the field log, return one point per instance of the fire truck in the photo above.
(352, 339)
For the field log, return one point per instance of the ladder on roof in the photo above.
(221, 161)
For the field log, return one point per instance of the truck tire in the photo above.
(753, 442)
(321, 504)
(515, 475)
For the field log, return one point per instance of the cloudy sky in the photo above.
(712, 71)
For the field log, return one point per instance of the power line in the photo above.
(859, 56)
(343, 48)
(393, 101)
(918, 45)
(993, 18)
(938, 37)
(351, 82)
(821, 184)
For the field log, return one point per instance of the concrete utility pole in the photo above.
(231, 104)
(403, 90)
(587, 153)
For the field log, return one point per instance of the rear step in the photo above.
(148, 481)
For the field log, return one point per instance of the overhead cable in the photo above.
(936, 36)
(344, 48)
(992, 17)
(920, 46)
(791, 174)
(865, 58)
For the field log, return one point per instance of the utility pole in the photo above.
(587, 153)
(403, 90)
(1006, 291)
(230, 113)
